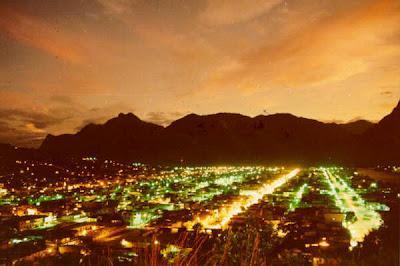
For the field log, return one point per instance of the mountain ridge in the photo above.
(234, 138)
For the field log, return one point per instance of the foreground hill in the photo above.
(234, 138)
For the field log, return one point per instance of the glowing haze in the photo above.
(67, 63)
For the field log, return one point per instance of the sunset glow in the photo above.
(64, 65)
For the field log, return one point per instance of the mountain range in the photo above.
(233, 138)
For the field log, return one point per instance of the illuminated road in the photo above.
(297, 198)
(366, 219)
(220, 218)
(189, 187)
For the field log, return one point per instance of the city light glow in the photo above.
(220, 218)
(365, 218)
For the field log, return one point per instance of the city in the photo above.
(200, 132)
(94, 211)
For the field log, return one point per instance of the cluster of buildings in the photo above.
(89, 209)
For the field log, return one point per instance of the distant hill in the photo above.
(358, 126)
(9, 154)
(234, 138)
(120, 137)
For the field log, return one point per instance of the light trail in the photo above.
(348, 200)
(221, 217)
(297, 198)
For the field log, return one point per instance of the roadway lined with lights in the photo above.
(219, 218)
(366, 219)
(295, 202)
(148, 198)
(212, 182)
(150, 210)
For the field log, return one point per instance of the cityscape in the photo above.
(200, 132)
(108, 213)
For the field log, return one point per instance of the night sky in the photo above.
(64, 64)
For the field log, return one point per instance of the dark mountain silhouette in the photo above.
(234, 138)
(119, 137)
(10, 152)
(381, 143)
(358, 126)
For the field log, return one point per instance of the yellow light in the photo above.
(84, 232)
(31, 211)
(323, 243)
(126, 244)
(347, 199)
(50, 250)
(220, 218)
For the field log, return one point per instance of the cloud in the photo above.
(28, 126)
(320, 59)
(36, 32)
(163, 118)
(387, 93)
(35, 115)
(62, 99)
(39, 120)
(331, 49)
(92, 120)
(20, 136)
(116, 6)
(31, 127)
(357, 118)
(157, 31)
(228, 12)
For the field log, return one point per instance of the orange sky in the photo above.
(66, 63)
